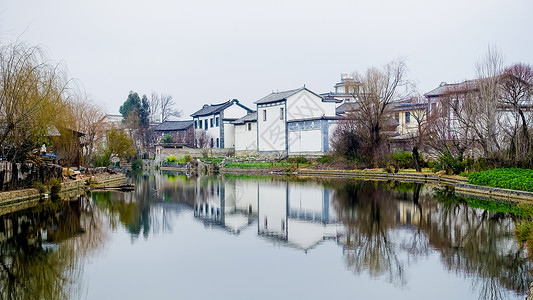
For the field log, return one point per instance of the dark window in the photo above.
(249, 126)
(195, 124)
(407, 117)
(264, 115)
(216, 121)
(212, 143)
(205, 123)
(281, 115)
(218, 146)
(211, 122)
(200, 124)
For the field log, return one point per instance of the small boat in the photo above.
(122, 187)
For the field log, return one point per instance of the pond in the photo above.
(236, 237)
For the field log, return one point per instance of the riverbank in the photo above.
(18, 199)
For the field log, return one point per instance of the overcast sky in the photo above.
(209, 51)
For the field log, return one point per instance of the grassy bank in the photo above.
(513, 179)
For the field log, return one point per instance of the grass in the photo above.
(513, 179)
(262, 165)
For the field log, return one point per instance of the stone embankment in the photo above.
(33, 194)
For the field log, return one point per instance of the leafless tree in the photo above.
(516, 90)
(374, 92)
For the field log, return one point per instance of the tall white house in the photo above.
(295, 122)
(213, 123)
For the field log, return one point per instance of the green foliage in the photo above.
(101, 159)
(298, 160)
(167, 139)
(55, 189)
(213, 159)
(137, 164)
(403, 159)
(513, 178)
(450, 164)
(496, 206)
(134, 107)
(326, 159)
(172, 159)
(119, 144)
(187, 158)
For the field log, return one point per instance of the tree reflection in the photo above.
(41, 249)
(369, 214)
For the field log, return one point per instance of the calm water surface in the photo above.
(240, 238)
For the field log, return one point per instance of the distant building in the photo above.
(246, 134)
(213, 124)
(181, 131)
(295, 122)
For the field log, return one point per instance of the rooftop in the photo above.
(174, 125)
(211, 109)
(250, 117)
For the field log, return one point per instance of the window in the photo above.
(195, 124)
(216, 121)
(264, 115)
(218, 143)
(205, 124)
(397, 117)
(249, 126)
(281, 115)
(200, 124)
(212, 121)
(211, 142)
(407, 117)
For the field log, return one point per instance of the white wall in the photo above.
(229, 135)
(234, 112)
(306, 105)
(212, 132)
(305, 141)
(246, 139)
(271, 133)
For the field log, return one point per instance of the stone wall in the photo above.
(16, 175)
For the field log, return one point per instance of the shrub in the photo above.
(403, 159)
(450, 164)
(514, 179)
(172, 159)
(326, 159)
(167, 139)
(137, 164)
(55, 189)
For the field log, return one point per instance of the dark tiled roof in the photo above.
(216, 108)
(250, 117)
(174, 125)
(467, 85)
(410, 106)
(346, 107)
(278, 96)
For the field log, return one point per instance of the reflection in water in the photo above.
(41, 249)
(385, 229)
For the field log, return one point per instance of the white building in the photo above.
(295, 122)
(214, 123)
(246, 134)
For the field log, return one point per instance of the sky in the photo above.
(210, 51)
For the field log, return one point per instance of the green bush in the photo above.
(55, 189)
(403, 159)
(172, 159)
(513, 178)
(450, 164)
(326, 159)
(137, 164)
(167, 139)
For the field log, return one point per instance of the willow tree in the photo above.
(32, 99)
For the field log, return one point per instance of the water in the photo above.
(261, 238)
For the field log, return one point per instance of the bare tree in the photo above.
(167, 108)
(516, 89)
(375, 91)
(155, 106)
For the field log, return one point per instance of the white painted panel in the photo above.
(229, 136)
(306, 105)
(235, 112)
(271, 132)
(246, 139)
(305, 141)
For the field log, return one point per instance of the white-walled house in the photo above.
(215, 121)
(295, 122)
(246, 134)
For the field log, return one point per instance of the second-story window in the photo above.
(249, 126)
(264, 115)
(205, 124)
(200, 124)
(281, 113)
(216, 121)
(407, 117)
(195, 124)
(212, 121)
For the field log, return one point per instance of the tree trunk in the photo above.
(416, 158)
